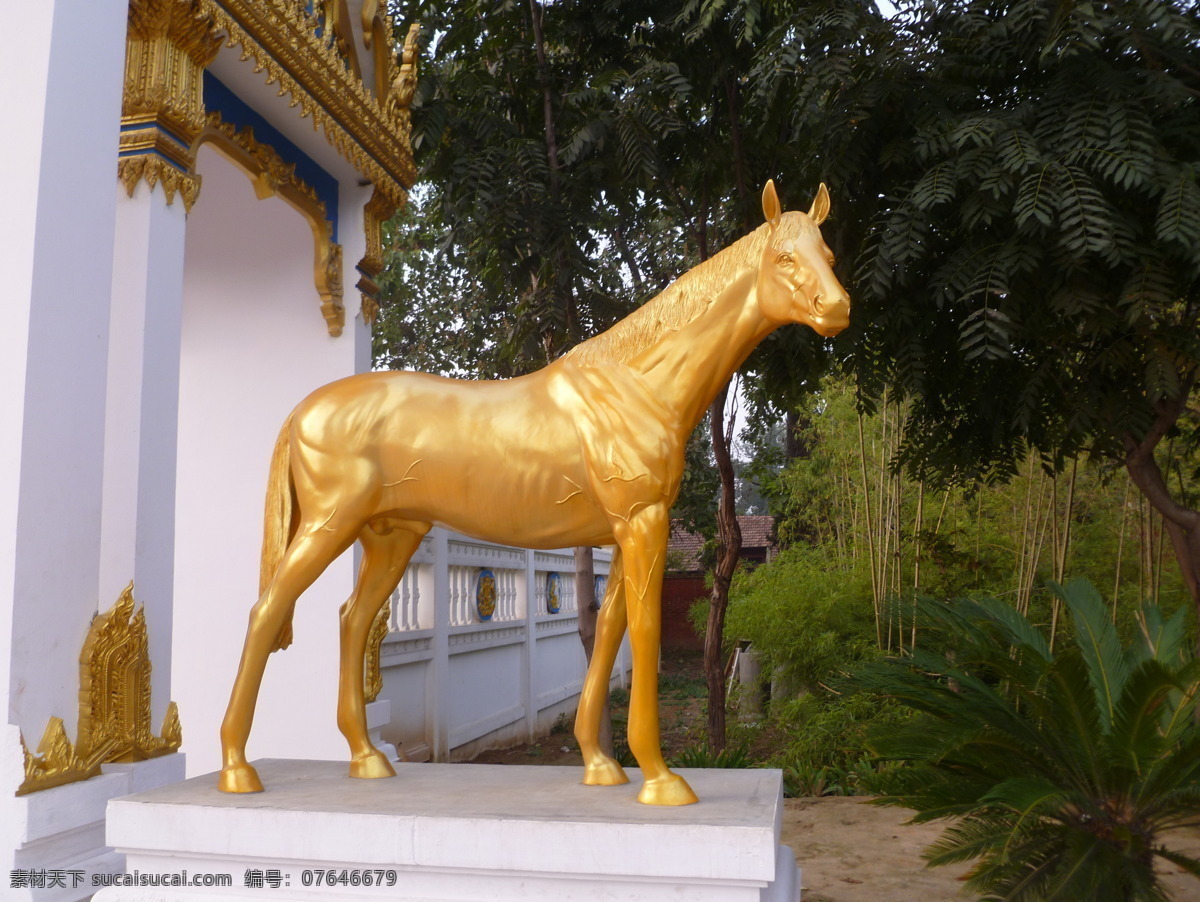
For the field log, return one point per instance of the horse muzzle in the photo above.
(830, 316)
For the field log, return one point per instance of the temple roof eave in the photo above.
(278, 39)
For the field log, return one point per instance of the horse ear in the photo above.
(771, 208)
(820, 207)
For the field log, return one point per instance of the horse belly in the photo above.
(517, 482)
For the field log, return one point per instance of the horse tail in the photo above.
(279, 521)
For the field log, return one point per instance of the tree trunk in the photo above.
(539, 43)
(729, 547)
(1182, 523)
(588, 607)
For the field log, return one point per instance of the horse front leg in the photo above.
(386, 553)
(643, 541)
(598, 768)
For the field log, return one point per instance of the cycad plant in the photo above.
(1065, 768)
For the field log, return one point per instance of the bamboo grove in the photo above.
(908, 536)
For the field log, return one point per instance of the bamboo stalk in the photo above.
(1120, 547)
(1061, 547)
(1024, 538)
(1039, 539)
(1159, 558)
(912, 643)
(862, 461)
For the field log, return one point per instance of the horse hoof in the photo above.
(605, 772)
(670, 789)
(239, 778)
(371, 767)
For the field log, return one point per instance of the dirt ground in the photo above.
(847, 850)
(851, 851)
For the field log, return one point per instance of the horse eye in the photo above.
(785, 258)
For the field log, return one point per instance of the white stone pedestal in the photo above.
(454, 832)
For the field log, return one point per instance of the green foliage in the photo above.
(681, 685)
(703, 756)
(972, 538)
(696, 504)
(1065, 768)
(1015, 205)
(803, 780)
(830, 729)
(1024, 270)
(803, 617)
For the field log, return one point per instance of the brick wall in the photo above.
(679, 592)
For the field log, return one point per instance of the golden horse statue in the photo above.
(588, 451)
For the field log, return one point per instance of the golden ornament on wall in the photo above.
(114, 706)
(167, 47)
(315, 67)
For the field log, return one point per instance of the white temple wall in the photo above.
(56, 241)
(138, 540)
(60, 202)
(352, 197)
(254, 344)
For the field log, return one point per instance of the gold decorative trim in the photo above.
(373, 680)
(114, 689)
(272, 176)
(369, 306)
(404, 83)
(167, 46)
(335, 21)
(285, 41)
(132, 170)
(57, 763)
(378, 210)
(114, 706)
(329, 286)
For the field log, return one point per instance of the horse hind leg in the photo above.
(316, 544)
(387, 548)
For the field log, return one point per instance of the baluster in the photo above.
(414, 596)
(460, 597)
(406, 588)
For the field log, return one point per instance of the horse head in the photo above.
(796, 283)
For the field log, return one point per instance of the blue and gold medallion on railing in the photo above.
(599, 587)
(553, 593)
(485, 594)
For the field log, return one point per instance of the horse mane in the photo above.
(679, 303)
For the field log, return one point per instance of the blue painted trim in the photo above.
(217, 96)
(137, 127)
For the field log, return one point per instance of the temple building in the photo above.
(194, 193)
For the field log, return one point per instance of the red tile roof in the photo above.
(683, 547)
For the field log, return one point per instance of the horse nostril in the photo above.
(818, 304)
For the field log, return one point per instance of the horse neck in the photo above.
(686, 368)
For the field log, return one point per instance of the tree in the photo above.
(1025, 229)
(713, 190)
(575, 152)
(501, 265)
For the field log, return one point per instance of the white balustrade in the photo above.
(454, 677)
